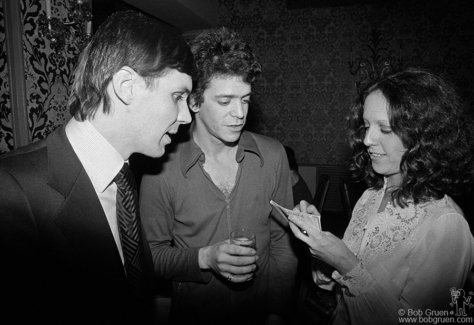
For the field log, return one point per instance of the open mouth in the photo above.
(171, 135)
(374, 155)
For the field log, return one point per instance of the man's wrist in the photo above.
(203, 258)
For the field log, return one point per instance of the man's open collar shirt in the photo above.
(183, 211)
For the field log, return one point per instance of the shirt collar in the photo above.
(191, 152)
(100, 159)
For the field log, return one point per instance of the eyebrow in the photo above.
(185, 90)
(231, 96)
(380, 122)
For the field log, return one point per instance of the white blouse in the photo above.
(409, 257)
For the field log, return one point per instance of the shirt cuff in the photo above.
(356, 282)
(195, 272)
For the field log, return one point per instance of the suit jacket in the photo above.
(59, 261)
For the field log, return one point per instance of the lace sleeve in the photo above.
(357, 281)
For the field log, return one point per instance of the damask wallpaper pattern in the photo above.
(306, 88)
(6, 134)
(48, 75)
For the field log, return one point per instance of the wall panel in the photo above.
(6, 131)
(306, 88)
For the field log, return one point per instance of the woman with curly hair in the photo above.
(408, 244)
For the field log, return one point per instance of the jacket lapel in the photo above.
(81, 217)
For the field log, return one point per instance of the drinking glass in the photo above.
(243, 237)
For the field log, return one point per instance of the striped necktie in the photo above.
(129, 227)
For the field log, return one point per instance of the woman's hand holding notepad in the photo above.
(306, 218)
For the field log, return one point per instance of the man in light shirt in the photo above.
(62, 252)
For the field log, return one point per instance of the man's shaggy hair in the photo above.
(221, 53)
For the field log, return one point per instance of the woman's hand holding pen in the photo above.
(322, 244)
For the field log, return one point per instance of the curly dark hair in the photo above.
(431, 120)
(221, 52)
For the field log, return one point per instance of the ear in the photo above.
(124, 82)
(192, 104)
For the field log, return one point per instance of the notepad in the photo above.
(287, 212)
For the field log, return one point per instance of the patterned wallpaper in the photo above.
(6, 135)
(49, 73)
(304, 92)
(306, 87)
(48, 76)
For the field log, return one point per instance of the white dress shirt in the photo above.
(102, 162)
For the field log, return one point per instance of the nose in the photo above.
(369, 138)
(238, 110)
(184, 117)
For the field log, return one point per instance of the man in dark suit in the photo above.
(62, 252)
